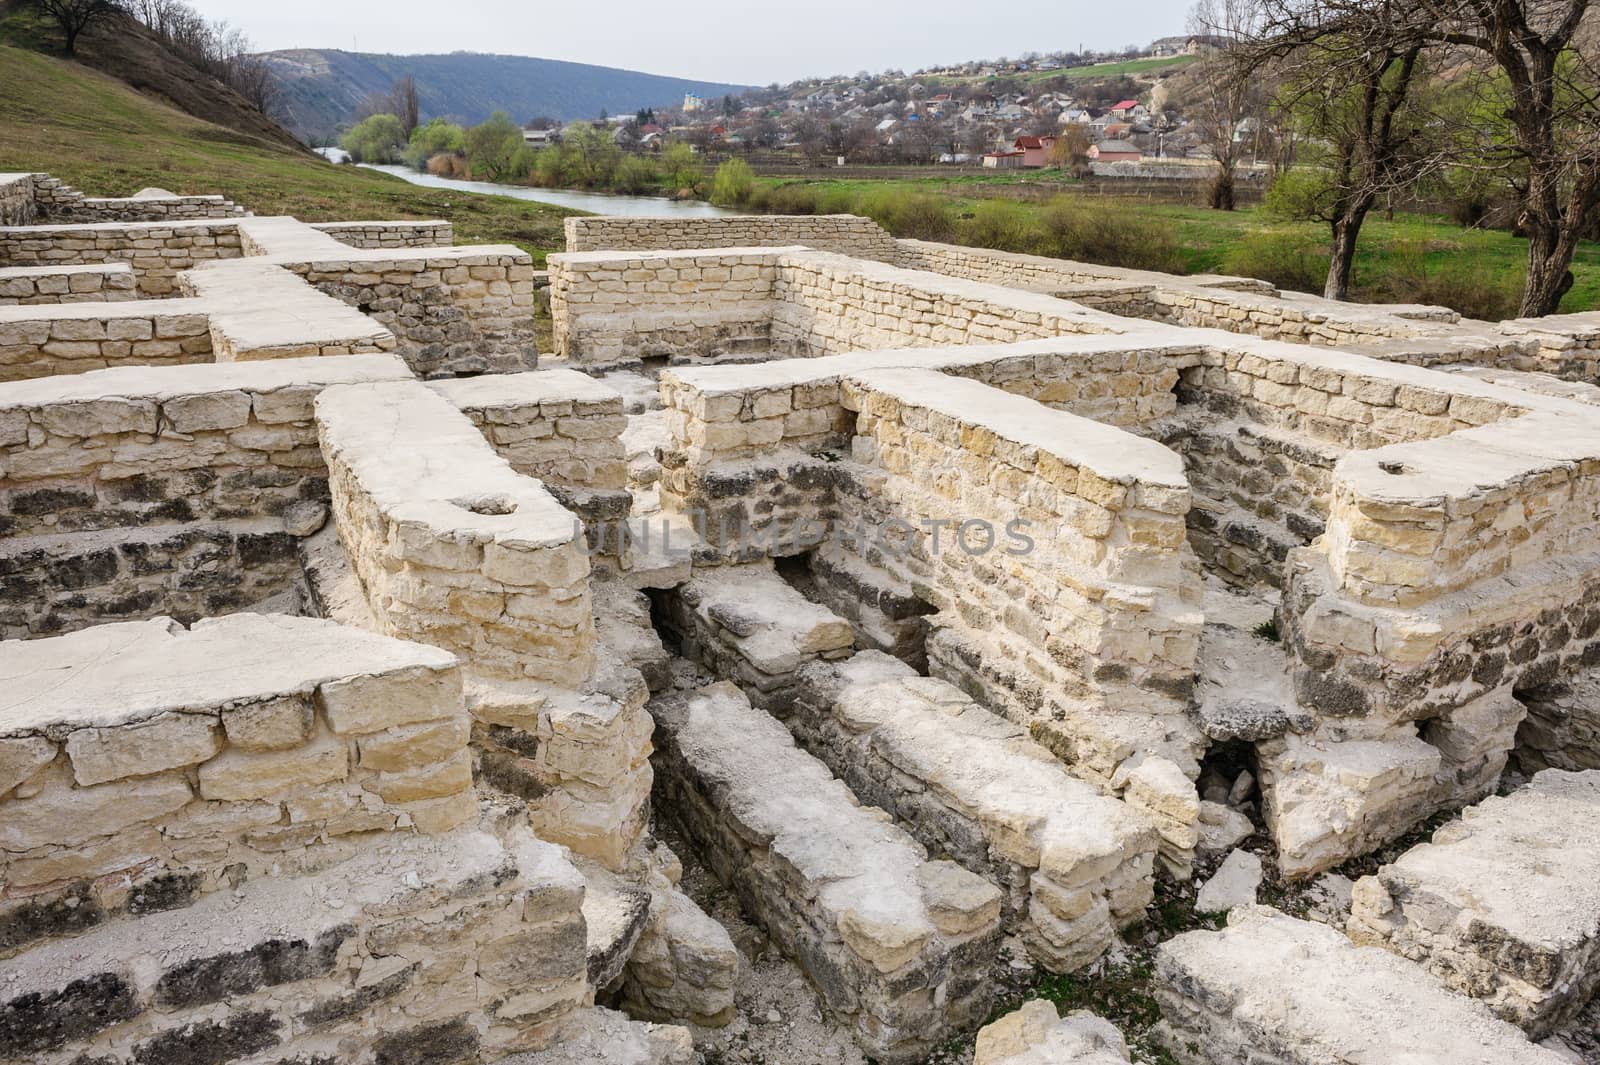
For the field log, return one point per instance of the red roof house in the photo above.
(1035, 150)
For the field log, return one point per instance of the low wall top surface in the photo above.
(114, 675)
(522, 390)
(850, 234)
(159, 383)
(1112, 453)
(445, 476)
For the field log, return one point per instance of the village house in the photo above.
(1035, 150)
(1115, 152)
(1003, 161)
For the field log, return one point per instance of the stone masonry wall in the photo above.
(431, 234)
(136, 492)
(66, 284)
(252, 741)
(609, 308)
(466, 945)
(464, 311)
(827, 304)
(59, 202)
(561, 426)
(613, 308)
(49, 340)
(898, 946)
(158, 252)
(1072, 864)
(742, 451)
(451, 545)
(16, 200)
(844, 234)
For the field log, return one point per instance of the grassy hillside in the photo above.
(321, 88)
(100, 135)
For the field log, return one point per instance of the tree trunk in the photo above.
(1222, 188)
(1346, 231)
(1552, 242)
(1549, 256)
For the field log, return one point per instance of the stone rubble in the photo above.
(1503, 904)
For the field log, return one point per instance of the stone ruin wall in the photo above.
(791, 301)
(158, 253)
(1422, 590)
(860, 238)
(132, 493)
(369, 235)
(24, 285)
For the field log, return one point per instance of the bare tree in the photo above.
(1547, 88)
(408, 107)
(75, 16)
(1224, 90)
(1351, 73)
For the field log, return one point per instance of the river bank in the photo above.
(600, 203)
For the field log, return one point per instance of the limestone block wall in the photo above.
(899, 947)
(1295, 992)
(609, 308)
(257, 310)
(1566, 345)
(828, 304)
(845, 234)
(66, 284)
(43, 341)
(1347, 400)
(1451, 567)
(451, 545)
(1262, 424)
(465, 944)
(435, 233)
(1073, 864)
(134, 492)
(461, 310)
(1107, 507)
(720, 414)
(171, 755)
(59, 202)
(561, 426)
(157, 251)
(612, 308)
(16, 200)
(1102, 513)
(1493, 914)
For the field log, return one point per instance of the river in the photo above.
(593, 202)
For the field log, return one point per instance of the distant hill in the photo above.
(321, 88)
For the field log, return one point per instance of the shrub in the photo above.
(1284, 258)
(375, 139)
(1452, 281)
(493, 147)
(438, 137)
(450, 166)
(914, 215)
(1002, 225)
(635, 175)
(1069, 228)
(680, 166)
(732, 184)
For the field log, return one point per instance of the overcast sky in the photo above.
(750, 42)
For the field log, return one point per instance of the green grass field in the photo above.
(99, 135)
(1412, 258)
